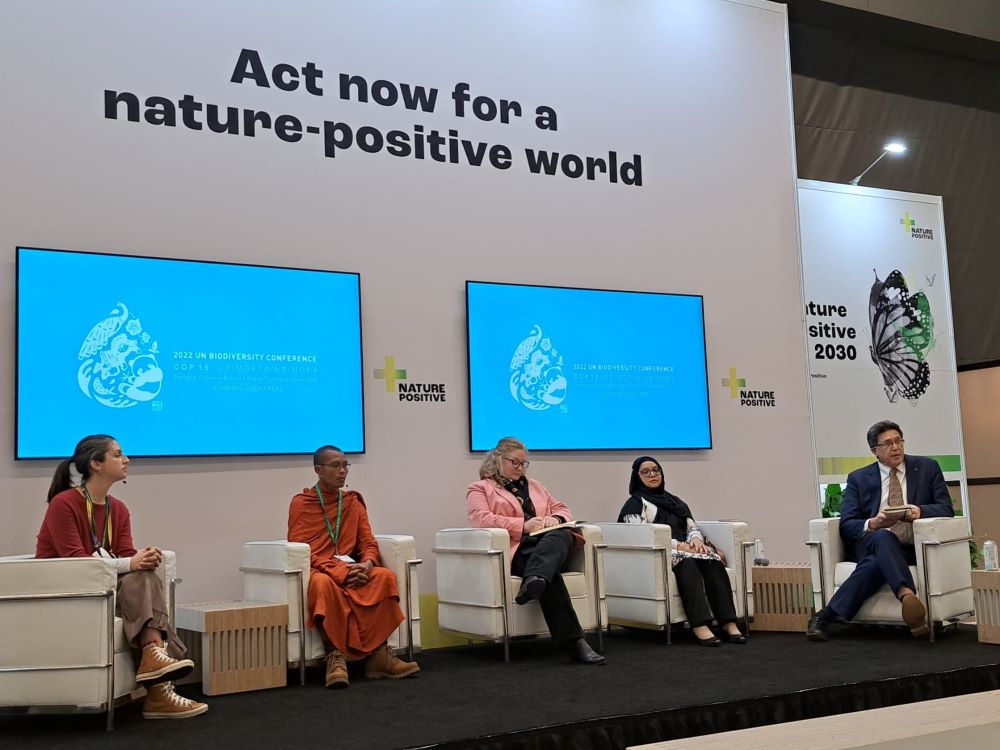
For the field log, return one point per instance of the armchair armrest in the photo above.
(468, 566)
(940, 529)
(593, 570)
(728, 537)
(644, 535)
(398, 553)
(27, 576)
(472, 539)
(731, 538)
(278, 571)
(943, 565)
(37, 599)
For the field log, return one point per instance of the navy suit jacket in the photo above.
(924, 487)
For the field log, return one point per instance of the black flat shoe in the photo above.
(709, 642)
(816, 629)
(738, 638)
(580, 651)
(532, 587)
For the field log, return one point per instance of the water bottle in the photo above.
(990, 555)
(758, 553)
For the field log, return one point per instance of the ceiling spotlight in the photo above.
(893, 147)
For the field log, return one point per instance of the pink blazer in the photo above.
(490, 506)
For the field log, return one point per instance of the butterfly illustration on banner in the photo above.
(902, 330)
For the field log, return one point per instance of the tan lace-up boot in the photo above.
(157, 665)
(383, 662)
(163, 703)
(336, 670)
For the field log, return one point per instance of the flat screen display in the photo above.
(586, 369)
(185, 358)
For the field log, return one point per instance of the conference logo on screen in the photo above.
(536, 373)
(396, 382)
(751, 397)
(910, 226)
(118, 362)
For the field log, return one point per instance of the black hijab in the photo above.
(670, 509)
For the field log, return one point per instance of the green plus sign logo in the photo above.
(907, 222)
(734, 383)
(390, 374)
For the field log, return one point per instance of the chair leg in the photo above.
(504, 578)
(109, 603)
(666, 560)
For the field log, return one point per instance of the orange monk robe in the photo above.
(356, 620)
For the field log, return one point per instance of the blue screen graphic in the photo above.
(584, 369)
(183, 358)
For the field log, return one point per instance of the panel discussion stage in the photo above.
(468, 697)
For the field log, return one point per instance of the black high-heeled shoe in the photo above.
(709, 642)
(738, 638)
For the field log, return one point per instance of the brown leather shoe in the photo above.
(915, 615)
(163, 703)
(156, 665)
(383, 662)
(336, 670)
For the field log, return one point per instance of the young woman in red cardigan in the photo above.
(84, 520)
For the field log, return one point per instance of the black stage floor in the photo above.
(648, 691)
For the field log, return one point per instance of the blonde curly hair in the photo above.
(490, 468)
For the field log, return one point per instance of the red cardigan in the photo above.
(66, 532)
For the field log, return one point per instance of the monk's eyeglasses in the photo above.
(335, 465)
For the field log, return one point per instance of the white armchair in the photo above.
(46, 667)
(639, 579)
(279, 571)
(943, 573)
(476, 589)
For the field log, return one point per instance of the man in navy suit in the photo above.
(882, 544)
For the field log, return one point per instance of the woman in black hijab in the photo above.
(699, 569)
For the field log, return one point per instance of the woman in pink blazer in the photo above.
(505, 498)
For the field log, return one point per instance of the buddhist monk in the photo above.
(352, 599)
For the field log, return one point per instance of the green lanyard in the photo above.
(334, 535)
(106, 536)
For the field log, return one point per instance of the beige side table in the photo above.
(237, 645)
(986, 594)
(782, 597)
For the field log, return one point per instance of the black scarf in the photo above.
(670, 509)
(519, 489)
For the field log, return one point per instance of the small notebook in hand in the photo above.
(898, 511)
(563, 525)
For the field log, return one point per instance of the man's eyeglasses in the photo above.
(517, 464)
(650, 472)
(335, 465)
(890, 443)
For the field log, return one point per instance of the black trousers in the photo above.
(545, 556)
(704, 589)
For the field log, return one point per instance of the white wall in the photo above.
(700, 89)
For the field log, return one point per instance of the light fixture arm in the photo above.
(857, 179)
